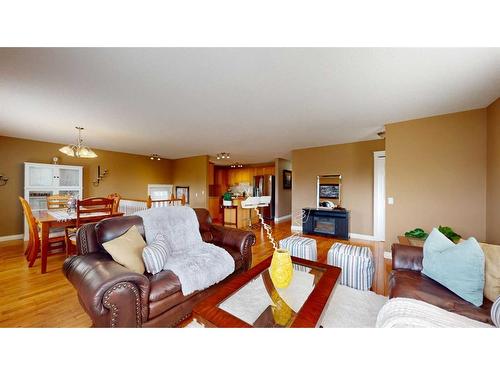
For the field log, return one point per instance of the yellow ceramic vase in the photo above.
(282, 313)
(281, 269)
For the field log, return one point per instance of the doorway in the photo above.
(379, 195)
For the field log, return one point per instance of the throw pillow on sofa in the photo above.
(460, 268)
(155, 254)
(491, 271)
(495, 313)
(127, 249)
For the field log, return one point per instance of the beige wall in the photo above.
(283, 197)
(129, 175)
(436, 172)
(493, 179)
(192, 172)
(354, 161)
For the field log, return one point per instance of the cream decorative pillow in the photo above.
(127, 249)
(491, 270)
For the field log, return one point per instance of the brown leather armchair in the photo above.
(113, 296)
(406, 280)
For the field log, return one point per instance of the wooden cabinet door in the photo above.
(214, 208)
(211, 174)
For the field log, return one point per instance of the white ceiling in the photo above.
(257, 104)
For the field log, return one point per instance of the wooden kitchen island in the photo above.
(239, 217)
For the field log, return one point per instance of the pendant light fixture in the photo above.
(78, 150)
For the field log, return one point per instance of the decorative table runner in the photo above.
(63, 215)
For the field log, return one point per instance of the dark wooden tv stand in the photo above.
(326, 222)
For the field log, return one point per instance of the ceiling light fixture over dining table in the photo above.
(78, 150)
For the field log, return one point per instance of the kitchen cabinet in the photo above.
(214, 204)
(211, 173)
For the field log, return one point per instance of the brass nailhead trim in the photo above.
(114, 308)
(180, 320)
(84, 247)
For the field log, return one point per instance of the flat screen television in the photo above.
(329, 191)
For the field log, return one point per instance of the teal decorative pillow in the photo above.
(460, 268)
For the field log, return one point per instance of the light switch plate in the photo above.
(390, 200)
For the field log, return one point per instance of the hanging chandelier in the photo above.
(78, 150)
(155, 156)
(223, 155)
(236, 165)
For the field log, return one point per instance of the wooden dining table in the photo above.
(48, 219)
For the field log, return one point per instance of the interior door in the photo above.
(379, 195)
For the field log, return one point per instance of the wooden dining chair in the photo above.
(57, 201)
(90, 210)
(116, 201)
(33, 249)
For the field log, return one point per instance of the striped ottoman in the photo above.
(356, 263)
(300, 247)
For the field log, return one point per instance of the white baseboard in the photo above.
(282, 218)
(12, 237)
(365, 237)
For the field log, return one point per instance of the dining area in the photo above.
(53, 230)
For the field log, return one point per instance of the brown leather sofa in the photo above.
(113, 296)
(406, 280)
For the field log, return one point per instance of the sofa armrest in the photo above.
(111, 294)
(242, 240)
(407, 257)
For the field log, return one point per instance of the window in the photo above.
(160, 192)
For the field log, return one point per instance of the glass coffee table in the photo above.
(251, 299)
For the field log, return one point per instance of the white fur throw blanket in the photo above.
(197, 264)
(412, 313)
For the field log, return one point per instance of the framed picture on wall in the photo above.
(287, 179)
(180, 190)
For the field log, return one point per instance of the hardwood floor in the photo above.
(30, 299)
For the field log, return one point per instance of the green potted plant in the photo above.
(227, 199)
(448, 232)
(417, 236)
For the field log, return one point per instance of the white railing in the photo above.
(131, 207)
(167, 203)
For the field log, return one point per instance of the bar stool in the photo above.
(249, 204)
(264, 201)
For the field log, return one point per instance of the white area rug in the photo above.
(348, 308)
(352, 308)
